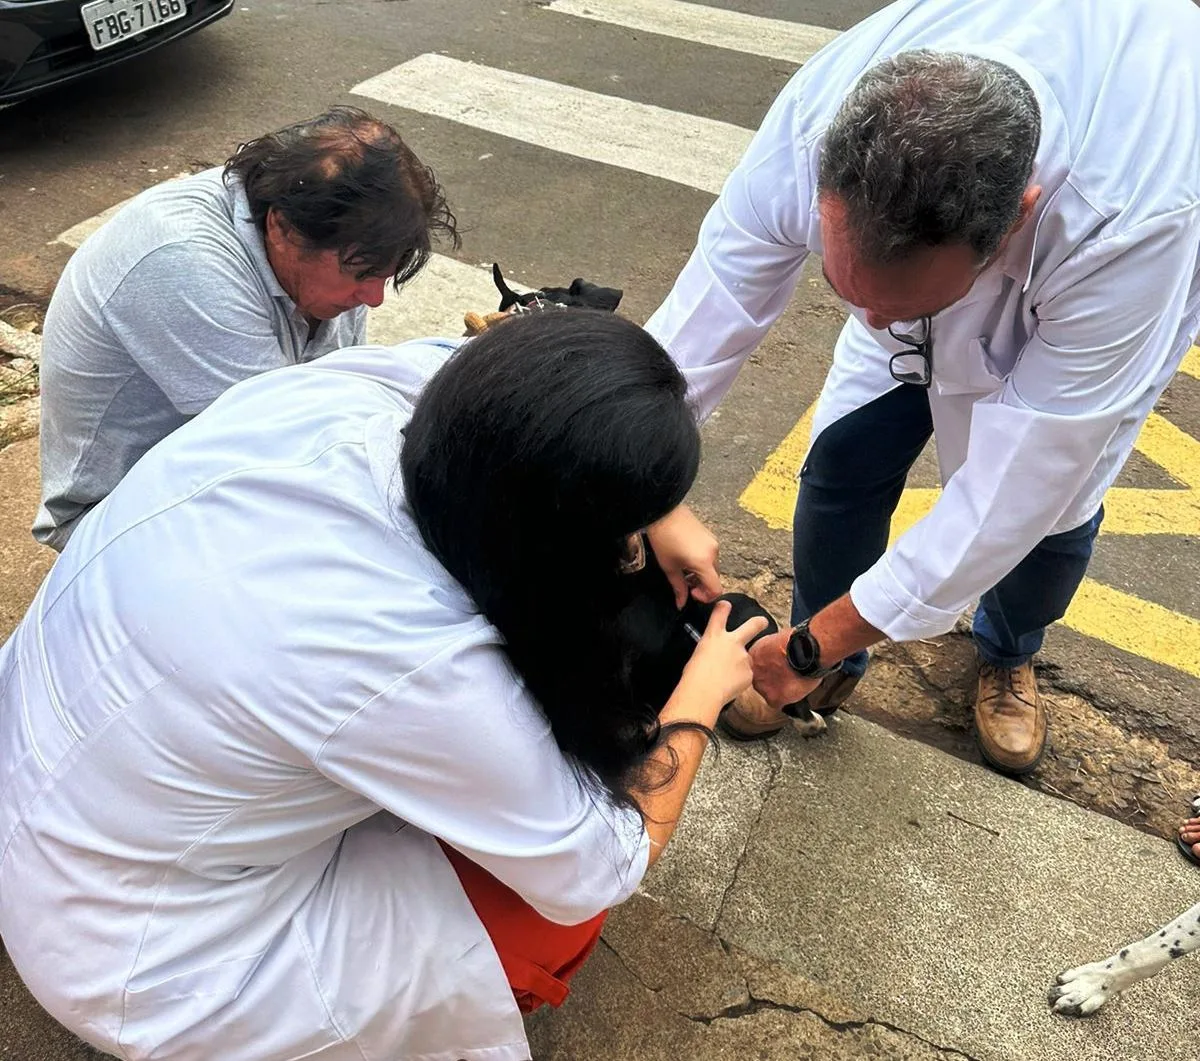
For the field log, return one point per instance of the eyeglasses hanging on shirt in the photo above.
(913, 366)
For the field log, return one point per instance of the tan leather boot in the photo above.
(750, 717)
(1010, 721)
(833, 691)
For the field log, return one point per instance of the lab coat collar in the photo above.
(383, 438)
(1049, 167)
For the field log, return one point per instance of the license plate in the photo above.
(109, 22)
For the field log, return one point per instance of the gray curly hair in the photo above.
(931, 149)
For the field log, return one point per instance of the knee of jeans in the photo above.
(843, 460)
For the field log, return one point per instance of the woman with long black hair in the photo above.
(322, 739)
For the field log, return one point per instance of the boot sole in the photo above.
(1011, 771)
(741, 735)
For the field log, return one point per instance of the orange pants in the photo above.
(538, 956)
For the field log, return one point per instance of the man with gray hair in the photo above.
(1008, 198)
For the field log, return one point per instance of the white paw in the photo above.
(1196, 805)
(810, 724)
(1081, 991)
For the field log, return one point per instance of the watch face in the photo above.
(800, 650)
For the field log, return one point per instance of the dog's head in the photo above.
(581, 294)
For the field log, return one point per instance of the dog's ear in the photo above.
(508, 297)
(595, 296)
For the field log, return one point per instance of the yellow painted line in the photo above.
(914, 506)
(1171, 448)
(1135, 625)
(1191, 362)
(771, 495)
(1127, 510)
(1146, 629)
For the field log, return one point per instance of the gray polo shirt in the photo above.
(158, 313)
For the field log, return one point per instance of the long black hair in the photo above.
(530, 458)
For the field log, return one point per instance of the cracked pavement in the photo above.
(860, 895)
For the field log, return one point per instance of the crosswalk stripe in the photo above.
(432, 304)
(684, 148)
(772, 38)
(76, 234)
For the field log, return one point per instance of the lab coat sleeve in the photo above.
(1107, 342)
(405, 368)
(747, 260)
(457, 749)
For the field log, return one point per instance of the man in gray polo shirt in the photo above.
(201, 282)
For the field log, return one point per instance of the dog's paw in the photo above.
(1196, 805)
(1081, 991)
(810, 724)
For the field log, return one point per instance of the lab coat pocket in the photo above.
(966, 370)
(262, 1005)
(175, 1007)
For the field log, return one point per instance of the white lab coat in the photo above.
(241, 707)
(1045, 371)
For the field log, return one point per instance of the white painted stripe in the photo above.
(76, 234)
(697, 152)
(773, 38)
(433, 304)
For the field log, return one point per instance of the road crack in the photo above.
(629, 968)
(775, 763)
(758, 1005)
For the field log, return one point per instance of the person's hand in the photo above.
(774, 678)
(687, 552)
(720, 665)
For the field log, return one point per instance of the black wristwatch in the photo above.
(803, 653)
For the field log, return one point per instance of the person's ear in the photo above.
(1029, 201)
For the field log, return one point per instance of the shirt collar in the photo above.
(252, 239)
(1051, 165)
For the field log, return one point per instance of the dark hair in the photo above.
(931, 149)
(345, 181)
(530, 457)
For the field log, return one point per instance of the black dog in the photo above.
(663, 636)
(581, 294)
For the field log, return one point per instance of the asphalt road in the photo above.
(547, 217)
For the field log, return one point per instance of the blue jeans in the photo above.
(850, 486)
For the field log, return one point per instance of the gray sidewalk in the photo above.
(855, 896)
(865, 896)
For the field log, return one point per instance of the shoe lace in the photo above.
(1003, 686)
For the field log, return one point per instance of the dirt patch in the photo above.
(925, 690)
(19, 406)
